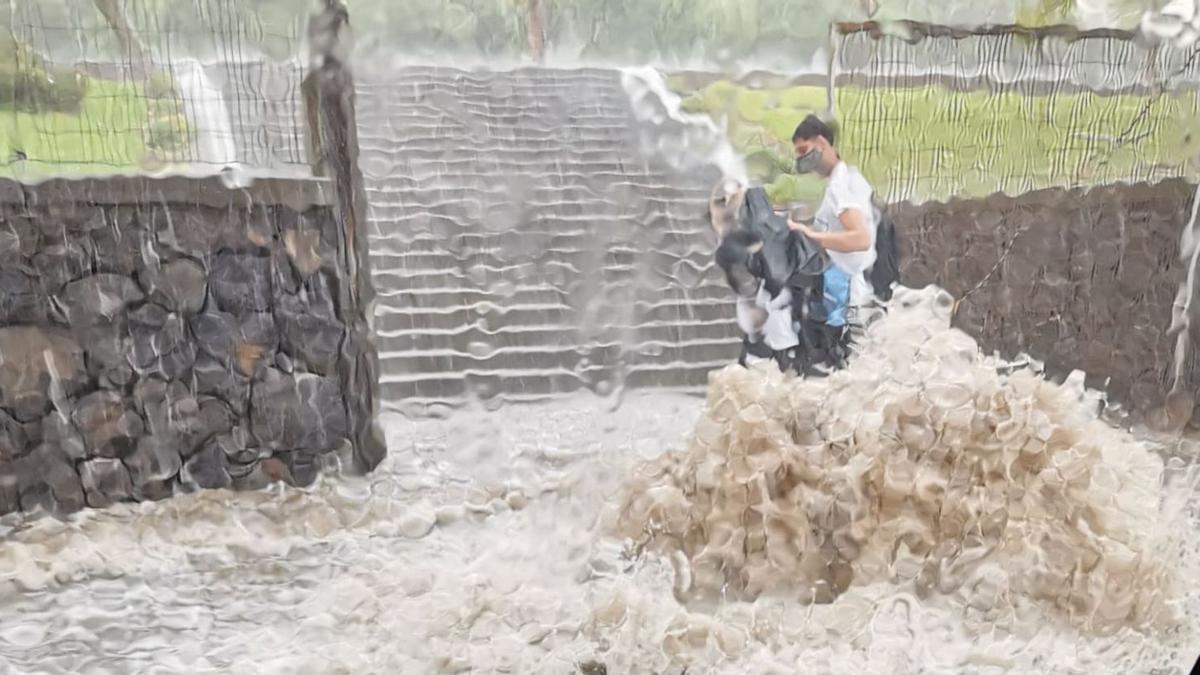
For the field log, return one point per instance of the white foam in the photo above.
(684, 140)
(919, 466)
(482, 544)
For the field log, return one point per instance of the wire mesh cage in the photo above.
(131, 86)
(935, 112)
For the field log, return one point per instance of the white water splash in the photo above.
(1181, 314)
(685, 140)
(1178, 21)
(207, 114)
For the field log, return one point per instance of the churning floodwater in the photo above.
(927, 510)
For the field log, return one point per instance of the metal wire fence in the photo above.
(156, 84)
(927, 112)
(937, 112)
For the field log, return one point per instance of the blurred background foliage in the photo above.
(716, 33)
(719, 55)
(660, 32)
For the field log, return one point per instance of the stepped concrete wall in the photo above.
(524, 244)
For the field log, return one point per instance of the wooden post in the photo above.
(336, 141)
(535, 27)
(311, 98)
(139, 56)
(831, 83)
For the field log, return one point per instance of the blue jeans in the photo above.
(837, 296)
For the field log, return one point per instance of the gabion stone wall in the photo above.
(159, 334)
(1079, 279)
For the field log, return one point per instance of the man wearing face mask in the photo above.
(845, 223)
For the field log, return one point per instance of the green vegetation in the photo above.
(933, 143)
(28, 84)
(31, 91)
(167, 129)
(1117, 13)
(105, 134)
(56, 120)
(910, 142)
(759, 123)
(716, 32)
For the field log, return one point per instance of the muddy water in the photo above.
(487, 543)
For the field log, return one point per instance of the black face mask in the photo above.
(808, 162)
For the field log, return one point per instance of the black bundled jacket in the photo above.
(886, 270)
(788, 260)
(792, 259)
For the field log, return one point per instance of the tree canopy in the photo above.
(715, 33)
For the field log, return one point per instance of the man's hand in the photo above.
(803, 229)
(853, 237)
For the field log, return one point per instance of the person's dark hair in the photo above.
(734, 258)
(811, 127)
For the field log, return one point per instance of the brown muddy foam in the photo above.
(919, 465)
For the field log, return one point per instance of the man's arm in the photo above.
(853, 238)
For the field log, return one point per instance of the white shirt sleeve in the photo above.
(850, 191)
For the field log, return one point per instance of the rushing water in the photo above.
(491, 542)
(207, 115)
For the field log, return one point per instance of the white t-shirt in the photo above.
(848, 189)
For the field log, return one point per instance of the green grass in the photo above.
(920, 143)
(106, 135)
(933, 143)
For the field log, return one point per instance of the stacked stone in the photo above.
(1079, 279)
(149, 346)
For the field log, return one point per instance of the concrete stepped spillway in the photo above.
(524, 244)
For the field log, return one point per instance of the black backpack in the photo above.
(886, 270)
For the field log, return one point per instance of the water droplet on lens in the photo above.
(480, 349)
(504, 288)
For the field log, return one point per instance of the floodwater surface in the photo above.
(918, 513)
